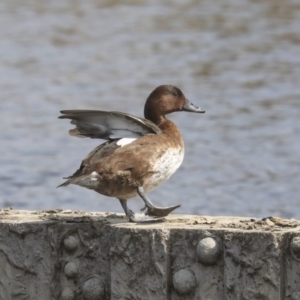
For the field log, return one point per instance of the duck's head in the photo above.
(166, 99)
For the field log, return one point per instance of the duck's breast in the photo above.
(164, 167)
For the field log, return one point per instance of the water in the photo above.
(238, 59)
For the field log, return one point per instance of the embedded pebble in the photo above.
(71, 243)
(184, 281)
(67, 294)
(208, 251)
(71, 269)
(93, 289)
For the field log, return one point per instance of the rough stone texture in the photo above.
(93, 256)
(252, 266)
(139, 258)
(292, 263)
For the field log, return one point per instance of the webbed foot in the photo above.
(153, 210)
(131, 217)
(160, 211)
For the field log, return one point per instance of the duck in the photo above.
(138, 154)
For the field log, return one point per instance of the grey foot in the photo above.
(153, 210)
(130, 215)
(160, 211)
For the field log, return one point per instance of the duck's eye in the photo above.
(176, 94)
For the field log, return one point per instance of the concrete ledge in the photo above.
(92, 256)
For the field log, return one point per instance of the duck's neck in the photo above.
(169, 128)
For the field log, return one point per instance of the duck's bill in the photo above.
(189, 106)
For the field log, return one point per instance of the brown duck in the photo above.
(139, 154)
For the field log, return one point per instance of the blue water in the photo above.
(238, 60)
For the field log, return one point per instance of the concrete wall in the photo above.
(73, 256)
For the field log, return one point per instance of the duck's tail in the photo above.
(70, 178)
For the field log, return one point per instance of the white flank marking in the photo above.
(125, 141)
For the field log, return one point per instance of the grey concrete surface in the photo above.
(73, 255)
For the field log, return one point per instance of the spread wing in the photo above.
(108, 125)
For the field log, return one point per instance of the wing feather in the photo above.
(108, 125)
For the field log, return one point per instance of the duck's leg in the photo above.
(153, 210)
(130, 215)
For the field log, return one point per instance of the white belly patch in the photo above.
(165, 167)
